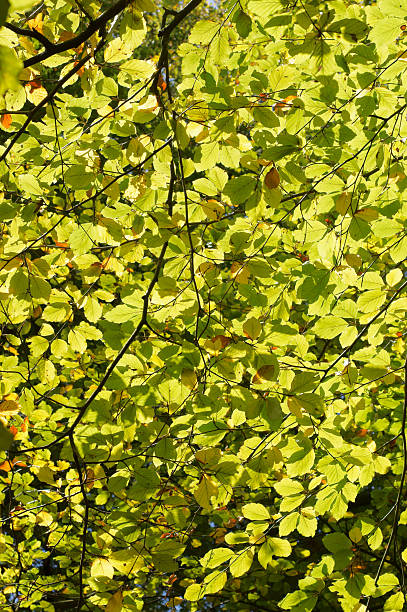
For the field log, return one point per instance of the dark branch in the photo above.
(165, 34)
(31, 34)
(92, 28)
(363, 330)
(43, 102)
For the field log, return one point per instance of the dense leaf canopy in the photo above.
(202, 305)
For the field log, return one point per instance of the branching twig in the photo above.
(397, 505)
(49, 46)
(93, 27)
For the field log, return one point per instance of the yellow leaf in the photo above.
(102, 567)
(144, 5)
(394, 277)
(205, 490)
(44, 519)
(127, 561)
(36, 95)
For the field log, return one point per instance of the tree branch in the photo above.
(45, 101)
(397, 506)
(165, 34)
(363, 330)
(92, 28)
(49, 46)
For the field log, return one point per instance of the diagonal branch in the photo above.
(49, 98)
(142, 323)
(96, 25)
(49, 46)
(363, 330)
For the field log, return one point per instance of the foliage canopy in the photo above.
(202, 305)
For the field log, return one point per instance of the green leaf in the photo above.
(266, 117)
(298, 601)
(273, 547)
(255, 512)
(4, 8)
(6, 438)
(203, 32)
(336, 542)
(10, 67)
(216, 557)
(241, 563)
(79, 177)
(329, 327)
(243, 24)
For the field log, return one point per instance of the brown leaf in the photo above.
(115, 603)
(272, 179)
(9, 407)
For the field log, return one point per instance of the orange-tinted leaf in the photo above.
(80, 70)
(367, 213)
(213, 209)
(216, 344)
(6, 120)
(5, 466)
(36, 23)
(285, 104)
(34, 84)
(65, 35)
(161, 83)
(90, 478)
(223, 340)
(362, 433)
